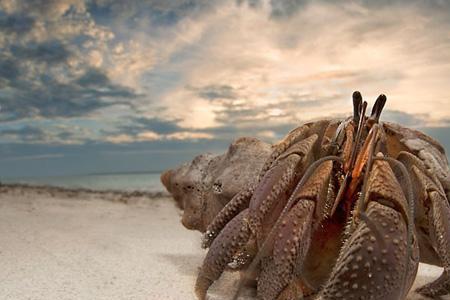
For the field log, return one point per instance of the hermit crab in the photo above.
(342, 209)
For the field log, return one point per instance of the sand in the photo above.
(56, 244)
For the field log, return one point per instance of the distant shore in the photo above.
(116, 182)
(63, 192)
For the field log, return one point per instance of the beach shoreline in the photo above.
(86, 193)
(58, 243)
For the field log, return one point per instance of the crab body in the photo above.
(342, 209)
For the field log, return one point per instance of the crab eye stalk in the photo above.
(378, 108)
(357, 103)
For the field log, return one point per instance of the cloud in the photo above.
(51, 63)
(51, 52)
(148, 136)
(152, 129)
(212, 92)
(38, 81)
(26, 134)
(9, 70)
(41, 134)
(156, 12)
(16, 24)
(282, 9)
(405, 119)
(286, 8)
(266, 63)
(53, 99)
(157, 125)
(186, 135)
(119, 139)
(93, 77)
(45, 9)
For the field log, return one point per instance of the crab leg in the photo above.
(292, 240)
(237, 204)
(232, 238)
(439, 217)
(291, 245)
(366, 268)
(432, 194)
(271, 194)
(290, 139)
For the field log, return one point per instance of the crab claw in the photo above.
(366, 268)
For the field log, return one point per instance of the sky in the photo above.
(123, 86)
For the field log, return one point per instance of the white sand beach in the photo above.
(60, 245)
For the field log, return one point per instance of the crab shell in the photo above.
(204, 186)
(342, 209)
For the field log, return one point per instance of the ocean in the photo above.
(122, 181)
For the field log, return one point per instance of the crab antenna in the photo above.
(378, 108)
(358, 134)
(357, 103)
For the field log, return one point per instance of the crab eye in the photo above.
(217, 187)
